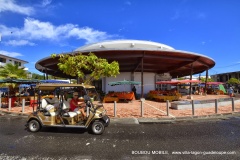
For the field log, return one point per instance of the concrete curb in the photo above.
(190, 118)
(13, 113)
(133, 120)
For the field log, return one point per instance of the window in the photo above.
(17, 63)
(3, 60)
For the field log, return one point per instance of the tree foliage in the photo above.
(77, 65)
(37, 76)
(233, 81)
(12, 71)
(204, 80)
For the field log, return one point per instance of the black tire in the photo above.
(34, 126)
(107, 124)
(97, 127)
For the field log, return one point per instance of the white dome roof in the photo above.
(125, 45)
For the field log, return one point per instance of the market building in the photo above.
(143, 61)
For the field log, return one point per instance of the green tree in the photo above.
(78, 65)
(12, 71)
(204, 79)
(37, 76)
(233, 81)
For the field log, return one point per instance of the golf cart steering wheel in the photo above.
(87, 100)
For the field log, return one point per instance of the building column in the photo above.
(190, 89)
(142, 95)
(206, 81)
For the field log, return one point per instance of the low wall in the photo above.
(179, 105)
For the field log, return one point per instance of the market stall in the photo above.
(214, 88)
(160, 95)
(118, 96)
(172, 94)
(121, 96)
(14, 91)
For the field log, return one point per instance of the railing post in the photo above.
(9, 104)
(115, 109)
(216, 106)
(193, 109)
(167, 107)
(142, 109)
(23, 105)
(233, 106)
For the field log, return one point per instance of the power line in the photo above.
(229, 65)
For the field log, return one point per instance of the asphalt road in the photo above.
(211, 139)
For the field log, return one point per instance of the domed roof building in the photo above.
(143, 61)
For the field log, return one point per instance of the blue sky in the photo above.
(34, 29)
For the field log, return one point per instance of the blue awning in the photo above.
(3, 89)
(53, 81)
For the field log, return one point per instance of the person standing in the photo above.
(201, 91)
(31, 91)
(230, 91)
(134, 91)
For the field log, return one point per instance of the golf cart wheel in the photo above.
(34, 126)
(97, 127)
(108, 122)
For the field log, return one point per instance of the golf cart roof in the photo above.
(48, 86)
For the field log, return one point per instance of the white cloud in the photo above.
(36, 30)
(10, 54)
(201, 15)
(175, 16)
(19, 43)
(10, 5)
(128, 3)
(88, 34)
(46, 2)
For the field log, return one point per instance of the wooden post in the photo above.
(142, 109)
(216, 106)
(233, 106)
(193, 109)
(9, 104)
(23, 105)
(167, 107)
(115, 109)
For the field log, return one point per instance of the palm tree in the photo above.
(12, 71)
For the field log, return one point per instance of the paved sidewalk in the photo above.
(154, 112)
(141, 120)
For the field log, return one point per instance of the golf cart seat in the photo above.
(48, 108)
(66, 107)
(54, 101)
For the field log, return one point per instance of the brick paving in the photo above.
(152, 109)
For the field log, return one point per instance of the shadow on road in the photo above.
(63, 130)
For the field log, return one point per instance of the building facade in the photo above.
(6, 59)
(224, 77)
